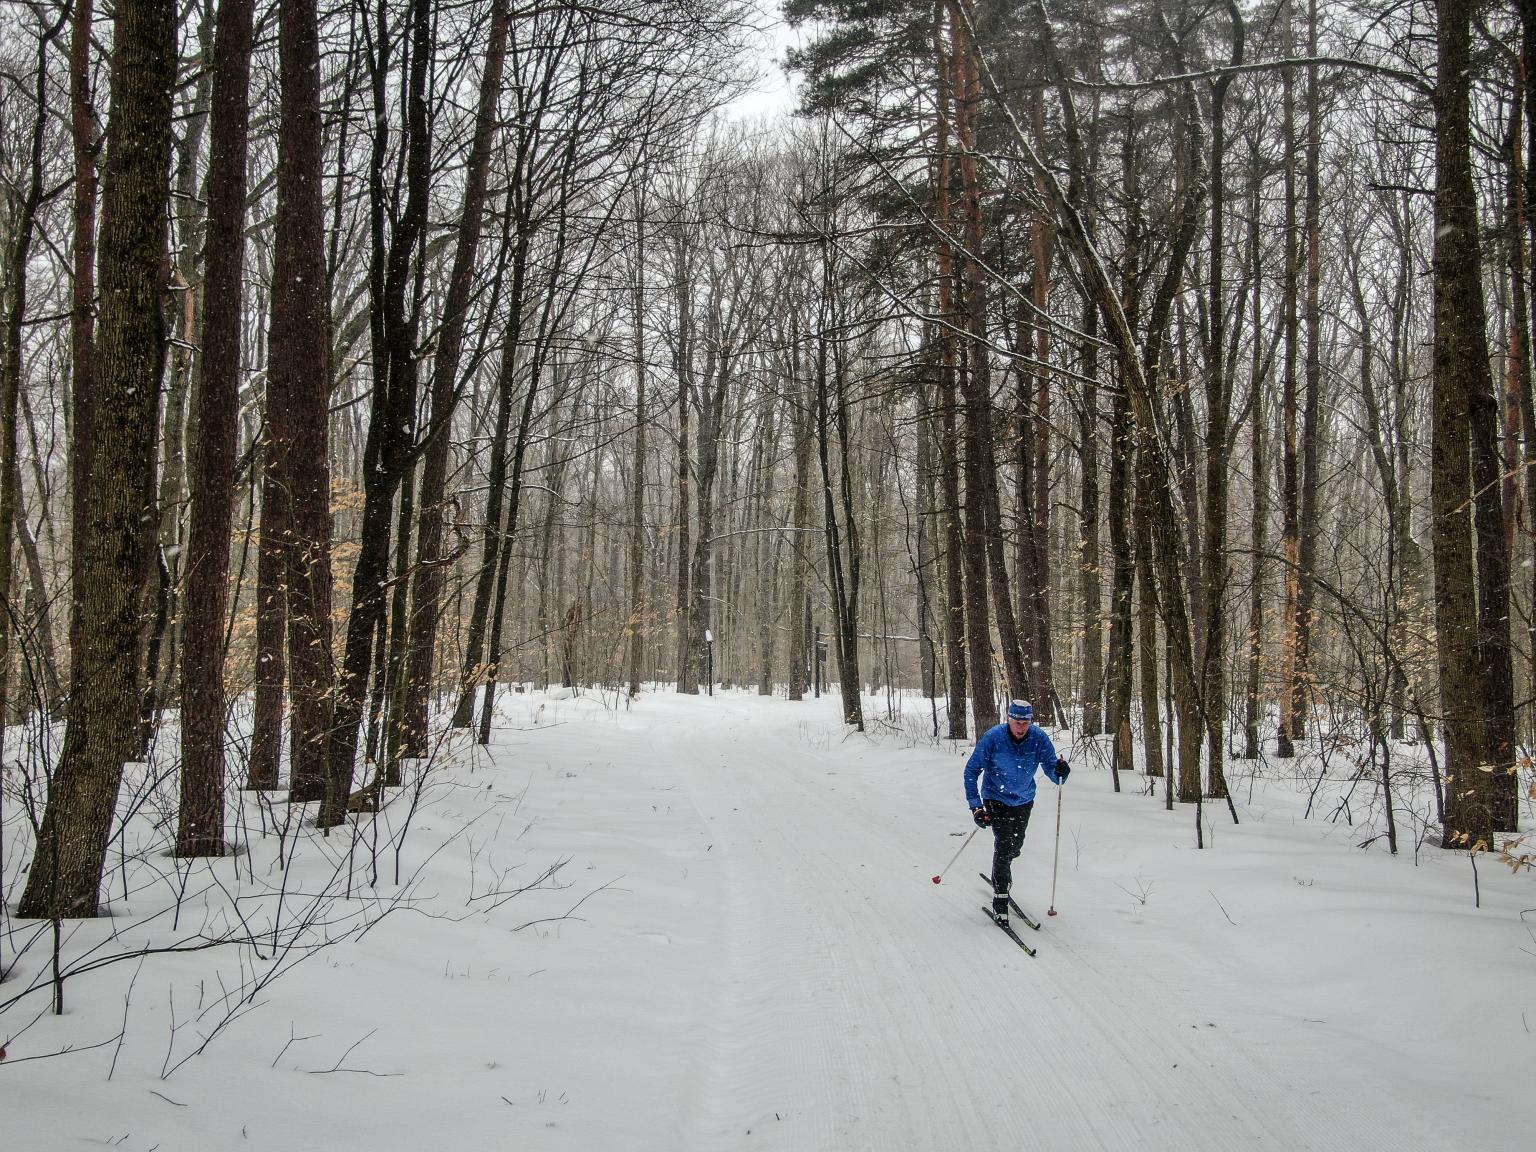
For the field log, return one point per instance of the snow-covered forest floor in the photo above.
(709, 923)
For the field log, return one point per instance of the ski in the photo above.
(1014, 904)
(1008, 928)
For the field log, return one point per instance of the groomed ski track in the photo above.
(851, 1004)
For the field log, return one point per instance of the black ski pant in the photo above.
(1009, 822)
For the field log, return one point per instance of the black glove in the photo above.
(982, 817)
(1063, 770)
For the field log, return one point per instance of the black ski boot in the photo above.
(1000, 908)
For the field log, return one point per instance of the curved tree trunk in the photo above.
(842, 538)
(473, 670)
(431, 575)
(71, 845)
(389, 449)
(15, 275)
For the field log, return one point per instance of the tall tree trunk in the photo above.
(1091, 696)
(1139, 366)
(506, 532)
(200, 830)
(637, 606)
(1412, 593)
(473, 672)
(1490, 478)
(1306, 553)
(539, 350)
(687, 671)
(927, 554)
(82, 312)
(1036, 595)
(712, 395)
(44, 684)
(1146, 619)
(975, 387)
(803, 424)
(959, 641)
(72, 842)
(1382, 441)
(1258, 524)
(1169, 555)
(1025, 557)
(1526, 219)
(162, 645)
(299, 390)
(848, 583)
(1517, 322)
(1493, 599)
(262, 771)
(388, 450)
(1290, 465)
(389, 678)
(1188, 473)
(1218, 400)
(956, 622)
(1090, 581)
(842, 568)
(1122, 481)
(15, 274)
(431, 569)
(982, 501)
(1460, 372)
(1118, 689)
(768, 543)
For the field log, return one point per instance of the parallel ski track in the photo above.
(858, 1007)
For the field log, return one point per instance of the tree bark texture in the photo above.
(389, 448)
(298, 402)
(637, 607)
(200, 829)
(71, 846)
(1460, 365)
(952, 537)
(82, 315)
(1290, 462)
(1218, 401)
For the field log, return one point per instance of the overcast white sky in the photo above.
(773, 94)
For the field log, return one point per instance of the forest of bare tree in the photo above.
(1167, 362)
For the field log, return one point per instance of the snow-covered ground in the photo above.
(709, 924)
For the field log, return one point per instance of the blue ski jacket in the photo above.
(1006, 767)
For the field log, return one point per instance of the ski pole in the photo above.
(951, 864)
(1056, 860)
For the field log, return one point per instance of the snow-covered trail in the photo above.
(855, 1006)
(707, 925)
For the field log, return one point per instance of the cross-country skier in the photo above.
(1005, 760)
